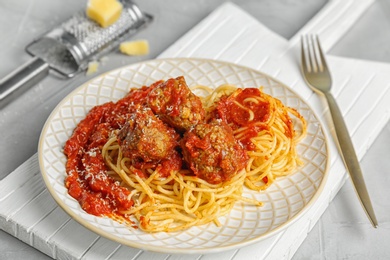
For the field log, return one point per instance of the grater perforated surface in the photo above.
(71, 46)
(93, 37)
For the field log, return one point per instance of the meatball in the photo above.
(175, 104)
(212, 152)
(145, 137)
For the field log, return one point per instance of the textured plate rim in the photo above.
(143, 246)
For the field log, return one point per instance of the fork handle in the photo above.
(349, 157)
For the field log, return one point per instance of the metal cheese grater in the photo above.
(69, 48)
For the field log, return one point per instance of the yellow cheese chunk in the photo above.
(140, 47)
(92, 68)
(104, 12)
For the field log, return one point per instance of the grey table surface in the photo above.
(342, 232)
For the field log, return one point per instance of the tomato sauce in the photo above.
(86, 180)
(234, 110)
(101, 195)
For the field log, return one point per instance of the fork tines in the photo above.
(312, 55)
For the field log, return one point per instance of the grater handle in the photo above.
(22, 78)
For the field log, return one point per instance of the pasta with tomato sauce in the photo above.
(263, 126)
(164, 159)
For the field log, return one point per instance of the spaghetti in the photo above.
(164, 159)
(264, 126)
(176, 202)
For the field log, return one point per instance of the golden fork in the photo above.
(317, 76)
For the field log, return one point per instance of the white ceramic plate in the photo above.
(284, 201)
